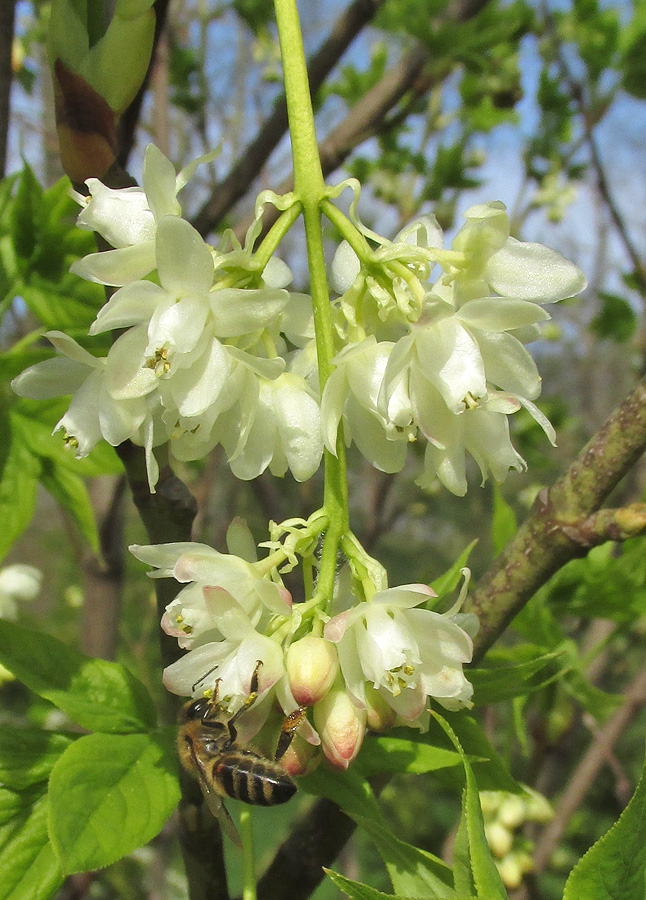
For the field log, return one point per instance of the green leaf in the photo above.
(616, 319)
(68, 488)
(486, 878)
(504, 525)
(24, 213)
(109, 794)
(349, 790)
(396, 754)
(613, 869)
(30, 870)
(413, 872)
(28, 755)
(447, 582)
(504, 682)
(18, 485)
(492, 772)
(98, 695)
(357, 891)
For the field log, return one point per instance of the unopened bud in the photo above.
(498, 838)
(341, 726)
(312, 665)
(510, 872)
(301, 757)
(512, 811)
(380, 716)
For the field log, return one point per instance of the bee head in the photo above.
(194, 710)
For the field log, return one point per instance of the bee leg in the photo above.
(251, 699)
(287, 731)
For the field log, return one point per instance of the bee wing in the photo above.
(221, 813)
(214, 802)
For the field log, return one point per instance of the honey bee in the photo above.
(209, 750)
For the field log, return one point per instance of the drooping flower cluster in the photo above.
(200, 355)
(445, 360)
(210, 348)
(373, 664)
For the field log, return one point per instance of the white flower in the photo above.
(352, 392)
(128, 217)
(407, 654)
(17, 582)
(190, 617)
(284, 433)
(230, 661)
(93, 412)
(496, 263)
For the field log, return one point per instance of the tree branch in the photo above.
(560, 527)
(7, 16)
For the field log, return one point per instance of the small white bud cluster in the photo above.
(504, 816)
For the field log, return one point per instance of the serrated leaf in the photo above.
(504, 682)
(413, 872)
(349, 790)
(357, 891)
(28, 755)
(98, 695)
(486, 877)
(30, 870)
(492, 772)
(397, 754)
(109, 794)
(614, 867)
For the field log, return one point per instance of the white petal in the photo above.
(345, 268)
(501, 314)
(184, 262)
(196, 388)
(121, 216)
(533, 272)
(177, 325)
(299, 426)
(451, 360)
(50, 378)
(129, 305)
(117, 267)
(127, 374)
(332, 404)
(159, 183)
(508, 364)
(237, 312)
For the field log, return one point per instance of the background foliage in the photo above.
(432, 106)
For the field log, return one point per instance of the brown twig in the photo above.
(557, 531)
(7, 17)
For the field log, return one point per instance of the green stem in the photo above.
(276, 233)
(309, 187)
(248, 861)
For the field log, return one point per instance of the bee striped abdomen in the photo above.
(251, 778)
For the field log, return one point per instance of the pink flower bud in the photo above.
(341, 726)
(312, 665)
(301, 757)
(380, 715)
